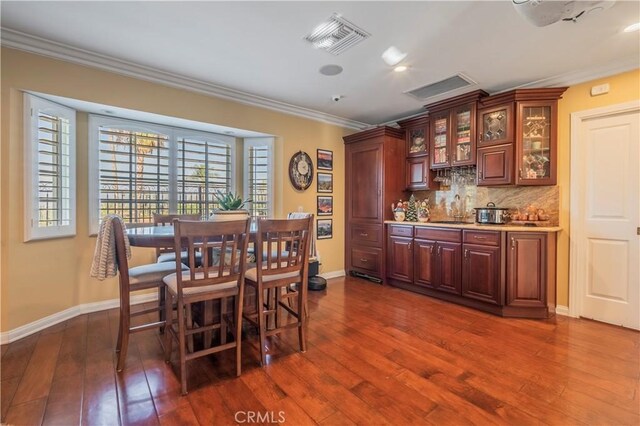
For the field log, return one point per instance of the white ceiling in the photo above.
(258, 47)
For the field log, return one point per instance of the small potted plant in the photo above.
(231, 207)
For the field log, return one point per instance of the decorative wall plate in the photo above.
(301, 171)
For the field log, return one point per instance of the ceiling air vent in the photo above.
(458, 81)
(336, 35)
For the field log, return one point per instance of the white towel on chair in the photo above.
(104, 263)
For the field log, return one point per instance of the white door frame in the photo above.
(576, 286)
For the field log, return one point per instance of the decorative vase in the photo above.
(399, 215)
(227, 215)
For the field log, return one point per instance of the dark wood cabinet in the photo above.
(526, 120)
(374, 178)
(530, 273)
(481, 273)
(452, 140)
(495, 165)
(418, 174)
(505, 273)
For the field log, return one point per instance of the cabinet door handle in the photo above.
(520, 172)
(513, 243)
(431, 249)
(409, 246)
(466, 253)
(480, 174)
(479, 238)
(439, 250)
(363, 260)
(364, 234)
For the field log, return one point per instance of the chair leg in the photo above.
(182, 343)
(261, 326)
(168, 331)
(161, 303)
(277, 307)
(123, 333)
(223, 321)
(302, 318)
(238, 325)
(188, 326)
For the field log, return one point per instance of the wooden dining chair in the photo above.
(168, 254)
(206, 281)
(133, 280)
(284, 268)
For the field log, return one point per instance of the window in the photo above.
(137, 169)
(50, 192)
(258, 178)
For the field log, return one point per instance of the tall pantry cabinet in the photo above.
(374, 178)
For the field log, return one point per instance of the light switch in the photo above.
(600, 89)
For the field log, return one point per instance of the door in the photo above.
(463, 136)
(449, 267)
(424, 262)
(496, 125)
(364, 174)
(439, 142)
(527, 269)
(400, 258)
(605, 214)
(418, 173)
(495, 165)
(481, 273)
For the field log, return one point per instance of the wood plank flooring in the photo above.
(377, 355)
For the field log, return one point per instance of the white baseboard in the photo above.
(562, 310)
(332, 274)
(48, 321)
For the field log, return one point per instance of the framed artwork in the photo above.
(324, 229)
(325, 160)
(325, 205)
(325, 182)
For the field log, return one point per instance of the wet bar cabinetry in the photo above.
(374, 178)
(452, 137)
(505, 271)
(517, 137)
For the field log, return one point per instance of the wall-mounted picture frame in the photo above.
(324, 229)
(325, 205)
(325, 160)
(325, 182)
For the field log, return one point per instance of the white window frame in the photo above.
(173, 133)
(253, 142)
(33, 105)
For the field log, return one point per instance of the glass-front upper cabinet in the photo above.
(536, 149)
(496, 125)
(463, 147)
(440, 140)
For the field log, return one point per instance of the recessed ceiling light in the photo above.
(393, 56)
(633, 27)
(400, 68)
(330, 69)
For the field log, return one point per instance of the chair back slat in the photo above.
(227, 239)
(286, 245)
(166, 220)
(121, 253)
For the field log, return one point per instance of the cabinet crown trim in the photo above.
(474, 96)
(374, 133)
(545, 93)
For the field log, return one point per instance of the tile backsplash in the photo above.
(443, 203)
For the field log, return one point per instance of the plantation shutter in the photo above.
(49, 169)
(258, 180)
(133, 174)
(203, 167)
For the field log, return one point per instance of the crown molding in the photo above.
(41, 46)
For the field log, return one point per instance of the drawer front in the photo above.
(401, 230)
(439, 234)
(367, 234)
(487, 238)
(367, 260)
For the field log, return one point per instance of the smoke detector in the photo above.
(336, 35)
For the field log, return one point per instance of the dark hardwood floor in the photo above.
(377, 355)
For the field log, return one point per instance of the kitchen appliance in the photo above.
(492, 215)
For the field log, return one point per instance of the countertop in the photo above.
(472, 225)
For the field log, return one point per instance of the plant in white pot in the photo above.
(231, 207)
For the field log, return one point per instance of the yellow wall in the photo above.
(623, 88)
(41, 278)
